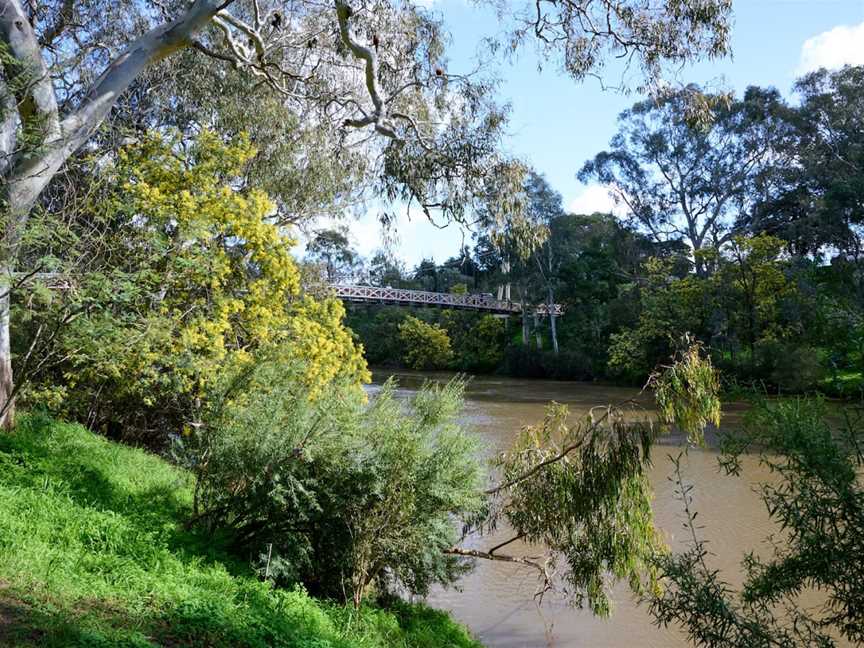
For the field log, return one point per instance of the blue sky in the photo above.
(557, 124)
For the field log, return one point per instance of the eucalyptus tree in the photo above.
(385, 269)
(817, 198)
(332, 248)
(685, 174)
(545, 207)
(372, 69)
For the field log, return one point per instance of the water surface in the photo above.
(496, 600)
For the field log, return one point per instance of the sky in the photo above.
(557, 124)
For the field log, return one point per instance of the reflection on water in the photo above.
(496, 599)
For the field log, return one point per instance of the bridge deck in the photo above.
(374, 294)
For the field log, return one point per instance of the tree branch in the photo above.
(36, 102)
(540, 466)
(473, 553)
(370, 58)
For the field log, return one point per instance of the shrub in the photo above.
(425, 346)
(335, 493)
(816, 499)
(797, 369)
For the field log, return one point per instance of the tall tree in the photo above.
(816, 199)
(545, 207)
(685, 175)
(386, 270)
(333, 250)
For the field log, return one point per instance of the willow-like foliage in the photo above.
(816, 498)
(687, 392)
(581, 492)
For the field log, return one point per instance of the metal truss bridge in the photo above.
(485, 303)
(371, 295)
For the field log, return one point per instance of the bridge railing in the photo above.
(358, 293)
(352, 292)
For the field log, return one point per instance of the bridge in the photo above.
(387, 295)
(369, 295)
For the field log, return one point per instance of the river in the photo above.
(496, 600)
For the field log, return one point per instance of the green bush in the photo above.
(815, 498)
(334, 493)
(479, 341)
(94, 552)
(424, 346)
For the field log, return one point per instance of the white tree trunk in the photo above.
(553, 325)
(25, 175)
(7, 405)
(538, 337)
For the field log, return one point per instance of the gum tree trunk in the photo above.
(553, 320)
(7, 404)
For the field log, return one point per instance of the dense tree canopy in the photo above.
(172, 276)
(681, 178)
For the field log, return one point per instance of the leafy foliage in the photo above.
(339, 495)
(685, 179)
(174, 274)
(478, 341)
(581, 491)
(425, 346)
(687, 392)
(818, 502)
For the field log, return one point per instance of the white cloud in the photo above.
(833, 49)
(594, 198)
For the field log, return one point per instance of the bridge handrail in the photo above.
(406, 295)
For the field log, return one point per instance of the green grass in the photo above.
(93, 552)
(846, 384)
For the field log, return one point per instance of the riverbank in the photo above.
(94, 552)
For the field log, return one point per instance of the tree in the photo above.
(683, 178)
(296, 56)
(756, 285)
(816, 498)
(816, 197)
(478, 340)
(182, 278)
(386, 270)
(424, 346)
(295, 52)
(669, 308)
(602, 258)
(545, 208)
(337, 493)
(426, 275)
(333, 249)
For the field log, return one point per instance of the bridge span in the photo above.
(369, 295)
(403, 296)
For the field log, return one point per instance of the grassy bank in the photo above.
(93, 552)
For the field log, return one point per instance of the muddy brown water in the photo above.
(496, 601)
